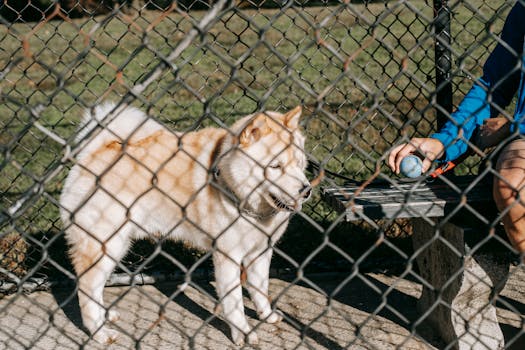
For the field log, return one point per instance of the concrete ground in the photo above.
(371, 311)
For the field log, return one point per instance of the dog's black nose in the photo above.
(306, 191)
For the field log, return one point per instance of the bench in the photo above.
(459, 284)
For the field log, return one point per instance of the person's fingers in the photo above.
(392, 157)
(427, 163)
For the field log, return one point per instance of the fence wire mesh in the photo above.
(160, 85)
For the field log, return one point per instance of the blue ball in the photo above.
(411, 166)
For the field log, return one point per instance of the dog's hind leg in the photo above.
(94, 261)
(257, 282)
(229, 290)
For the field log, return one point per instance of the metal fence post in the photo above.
(443, 61)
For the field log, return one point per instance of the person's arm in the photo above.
(490, 94)
(471, 112)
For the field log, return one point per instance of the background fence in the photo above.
(365, 73)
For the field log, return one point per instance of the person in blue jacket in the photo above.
(482, 108)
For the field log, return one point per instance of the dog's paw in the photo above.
(106, 336)
(274, 317)
(252, 338)
(239, 338)
(113, 315)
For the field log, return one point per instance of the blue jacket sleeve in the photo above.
(471, 112)
(493, 92)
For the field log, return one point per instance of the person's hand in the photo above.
(492, 132)
(430, 148)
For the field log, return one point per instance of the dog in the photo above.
(231, 191)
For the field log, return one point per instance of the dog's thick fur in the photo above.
(230, 191)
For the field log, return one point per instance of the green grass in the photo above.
(365, 85)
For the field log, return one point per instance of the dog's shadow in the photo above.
(215, 321)
(67, 299)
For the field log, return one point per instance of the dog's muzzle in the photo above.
(281, 204)
(292, 204)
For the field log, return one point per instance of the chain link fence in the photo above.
(365, 75)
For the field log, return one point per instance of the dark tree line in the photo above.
(36, 10)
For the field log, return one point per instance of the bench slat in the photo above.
(407, 200)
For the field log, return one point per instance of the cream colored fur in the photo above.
(230, 191)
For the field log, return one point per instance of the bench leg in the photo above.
(456, 298)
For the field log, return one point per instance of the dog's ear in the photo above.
(291, 118)
(253, 131)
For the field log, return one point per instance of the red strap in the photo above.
(443, 169)
(449, 165)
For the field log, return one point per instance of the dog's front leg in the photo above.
(229, 290)
(257, 281)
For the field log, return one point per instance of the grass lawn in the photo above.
(363, 73)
